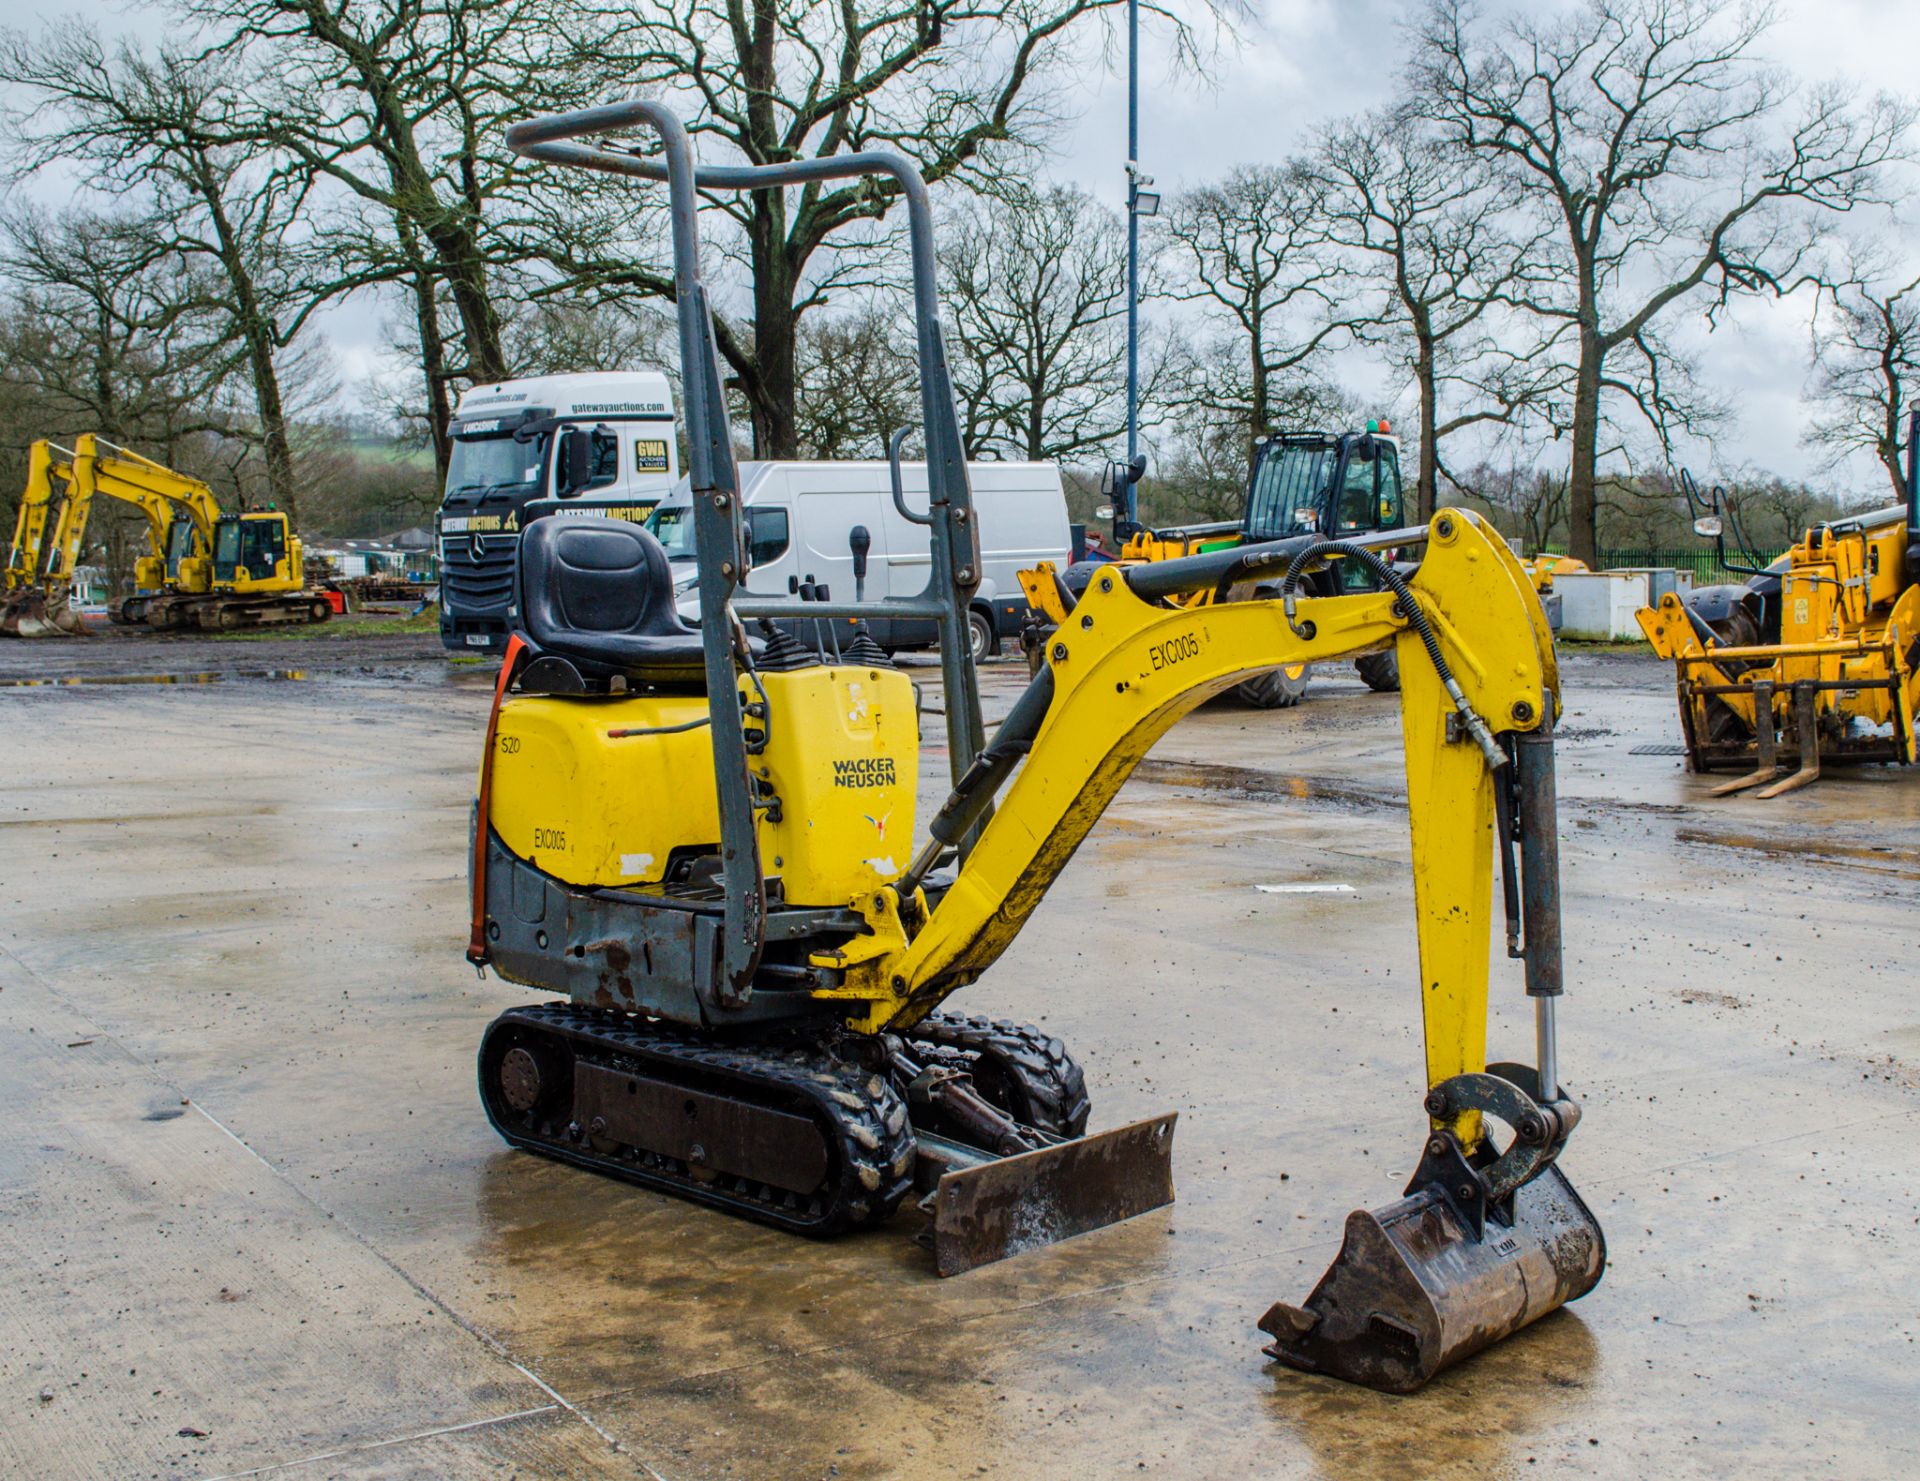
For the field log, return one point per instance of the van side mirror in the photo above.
(576, 461)
(859, 541)
(1708, 526)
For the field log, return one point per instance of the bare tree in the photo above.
(1530, 501)
(159, 130)
(959, 88)
(858, 381)
(1254, 251)
(1653, 138)
(1036, 291)
(1436, 232)
(1866, 344)
(395, 114)
(110, 334)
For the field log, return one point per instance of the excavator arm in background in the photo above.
(181, 515)
(47, 536)
(36, 508)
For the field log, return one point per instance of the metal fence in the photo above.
(1702, 561)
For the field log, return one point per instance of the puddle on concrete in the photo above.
(209, 677)
(1250, 784)
(1876, 858)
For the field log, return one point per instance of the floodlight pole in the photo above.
(1133, 237)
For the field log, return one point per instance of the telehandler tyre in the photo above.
(1278, 689)
(1381, 671)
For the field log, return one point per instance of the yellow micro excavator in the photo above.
(1815, 660)
(703, 840)
(46, 544)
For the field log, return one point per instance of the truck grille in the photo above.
(477, 584)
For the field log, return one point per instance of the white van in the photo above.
(799, 516)
(604, 438)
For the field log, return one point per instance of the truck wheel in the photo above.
(1277, 689)
(981, 638)
(1380, 670)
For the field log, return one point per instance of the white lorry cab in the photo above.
(604, 439)
(799, 517)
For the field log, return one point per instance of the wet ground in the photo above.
(252, 1220)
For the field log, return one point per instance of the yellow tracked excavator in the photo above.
(702, 839)
(202, 568)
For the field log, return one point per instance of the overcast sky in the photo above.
(1307, 61)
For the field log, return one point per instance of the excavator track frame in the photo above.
(865, 1150)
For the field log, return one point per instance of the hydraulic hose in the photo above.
(1417, 619)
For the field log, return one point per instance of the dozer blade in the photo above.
(986, 1210)
(1414, 1290)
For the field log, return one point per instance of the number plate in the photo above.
(478, 640)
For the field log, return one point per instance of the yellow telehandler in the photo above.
(703, 841)
(1337, 485)
(1815, 659)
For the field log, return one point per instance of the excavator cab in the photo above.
(701, 837)
(254, 552)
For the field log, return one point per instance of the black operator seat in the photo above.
(596, 603)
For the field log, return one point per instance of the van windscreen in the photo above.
(672, 526)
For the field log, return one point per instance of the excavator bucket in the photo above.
(1430, 1280)
(987, 1208)
(29, 613)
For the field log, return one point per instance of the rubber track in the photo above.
(870, 1160)
(1053, 1086)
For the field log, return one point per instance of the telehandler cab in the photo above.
(1334, 485)
(704, 840)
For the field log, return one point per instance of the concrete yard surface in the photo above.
(253, 1221)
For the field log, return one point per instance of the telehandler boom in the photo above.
(703, 840)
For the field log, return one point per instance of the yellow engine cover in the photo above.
(843, 753)
(589, 805)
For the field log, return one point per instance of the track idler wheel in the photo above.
(1023, 1070)
(1479, 1247)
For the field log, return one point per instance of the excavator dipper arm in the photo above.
(1485, 1241)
